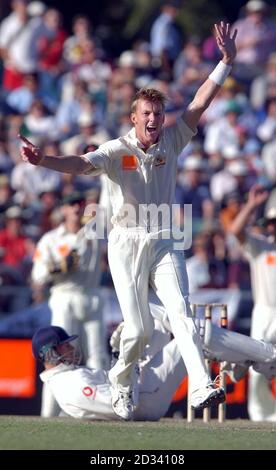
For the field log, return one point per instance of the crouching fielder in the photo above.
(82, 392)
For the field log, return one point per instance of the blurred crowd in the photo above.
(65, 93)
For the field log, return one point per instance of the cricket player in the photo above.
(86, 393)
(261, 253)
(141, 167)
(70, 262)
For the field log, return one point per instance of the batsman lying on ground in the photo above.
(85, 393)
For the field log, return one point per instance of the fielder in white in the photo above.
(261, 253)
(70, 262)
(86, 393)
(141, 168)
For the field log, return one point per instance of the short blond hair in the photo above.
(148, 94)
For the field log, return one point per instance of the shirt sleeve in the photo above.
(99, 160)
(254, 244)
(40, 271)
(180, 135)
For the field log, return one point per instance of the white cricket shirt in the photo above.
(57, 244)
(80, 392)
(261, 253)
(137, 178)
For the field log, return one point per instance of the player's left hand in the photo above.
(226, 41)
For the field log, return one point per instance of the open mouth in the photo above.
(151, 129)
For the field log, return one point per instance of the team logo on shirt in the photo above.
(88, 391)
(129, 162)
(64, 250)
(159, 160)
(271, 258)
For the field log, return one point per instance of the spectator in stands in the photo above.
(269, 159)
(48, 39)
(21, 99)
(88, 127)
(198, 264)
(28, 181)
(166, 39)
(73, 103)
(16, 249)
(232, 177)
(38, 122)
(6, 163)
(15, 295)
(190, 189)
(263, 87)
(6, 194)
(73, 48)
(267, 130)
(230, 207)
(224, 131)
(190, 70)
(256, 40)
(15, 44)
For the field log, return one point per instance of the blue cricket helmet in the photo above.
(48, 337)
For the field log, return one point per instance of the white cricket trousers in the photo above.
(78, 313)
(159, 379)
(261, 403)
(136, 259)
(234, 347)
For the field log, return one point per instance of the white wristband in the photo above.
(220, 73)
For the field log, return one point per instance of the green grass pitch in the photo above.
(35, 433)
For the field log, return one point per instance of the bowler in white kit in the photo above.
(141, 168)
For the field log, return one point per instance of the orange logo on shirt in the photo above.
(271, 258)
(37, 254)
(64, 250)
(129, 162)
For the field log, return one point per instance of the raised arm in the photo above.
(72, 164)
(256, 196)
(208, 90)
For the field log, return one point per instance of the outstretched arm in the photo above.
(208, 90)
(72, 164)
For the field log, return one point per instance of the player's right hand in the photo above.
(29, 152)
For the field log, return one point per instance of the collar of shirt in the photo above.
(61, 230)
(131, 138)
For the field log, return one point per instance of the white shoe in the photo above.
(207, 396)
(122, 403)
